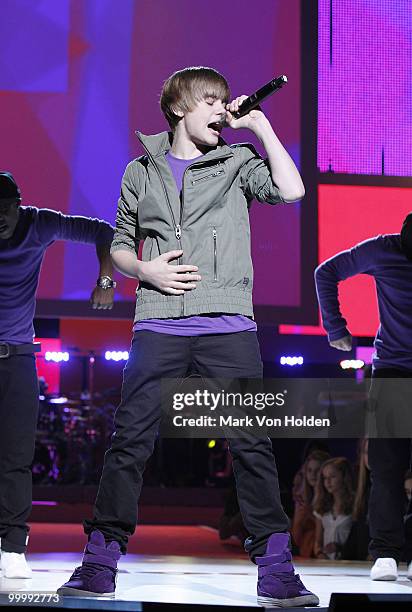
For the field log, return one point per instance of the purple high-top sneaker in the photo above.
(96, 577)
(278, 585)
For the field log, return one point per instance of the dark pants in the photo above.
(389, 459)
(154, 356)
(19, 404)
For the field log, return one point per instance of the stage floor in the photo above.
(199, 580)
(191, 580)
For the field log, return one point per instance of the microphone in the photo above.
(261, 94)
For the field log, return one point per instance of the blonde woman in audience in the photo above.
(333, 506)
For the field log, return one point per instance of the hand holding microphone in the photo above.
(243, 105)
(246, 120)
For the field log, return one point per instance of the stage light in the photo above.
(56, 356)
(291, 360)
(116, 355)
(211, 444)
(352, 364)
(58, 400)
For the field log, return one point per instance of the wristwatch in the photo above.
(105, 282)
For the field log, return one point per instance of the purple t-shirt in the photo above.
(198, 325)
(21, 257)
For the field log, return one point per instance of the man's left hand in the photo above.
(102, 299)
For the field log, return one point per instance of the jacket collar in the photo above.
(159, 144)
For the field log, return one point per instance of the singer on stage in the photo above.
(25, 234)
(188, 198)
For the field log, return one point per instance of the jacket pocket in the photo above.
(206, 177)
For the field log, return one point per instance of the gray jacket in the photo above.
(209, 222)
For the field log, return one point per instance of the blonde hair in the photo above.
(317, 455)
(185, 88)
(323, 502)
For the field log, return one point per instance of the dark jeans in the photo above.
(389, 459)
(154, 356)
(19, 404)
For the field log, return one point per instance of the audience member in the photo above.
(304, 523)
(333, 505)
(408, 517)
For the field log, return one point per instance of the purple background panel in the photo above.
(34, 45)
(100, 145)
(77, 78)
(365, 72)
(249, 47)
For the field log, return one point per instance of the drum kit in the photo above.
(72, 436)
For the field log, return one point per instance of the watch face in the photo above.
(105, 283)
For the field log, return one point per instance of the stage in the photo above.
(226, 579)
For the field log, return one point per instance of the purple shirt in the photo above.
(198, 325)
(382, 258)
(21, 257)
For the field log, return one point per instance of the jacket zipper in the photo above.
(202, 178)
(216, 173)
(214, 234)
(177, 226)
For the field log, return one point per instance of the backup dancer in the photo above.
(388, 259)
(25, 234)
